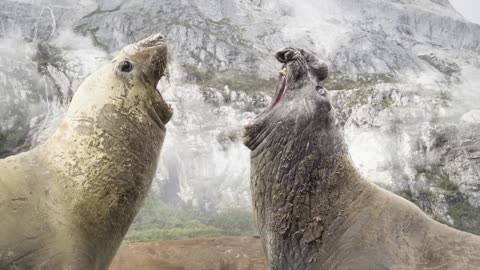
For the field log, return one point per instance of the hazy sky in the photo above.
(470, 9)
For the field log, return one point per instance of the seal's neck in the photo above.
(112, 157)
(102, 166)
(307, 158)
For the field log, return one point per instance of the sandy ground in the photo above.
(229, 253)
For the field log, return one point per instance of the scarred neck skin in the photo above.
(302, 177)
(101, 170)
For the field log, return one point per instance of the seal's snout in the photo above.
(152, 41)
(158, 37)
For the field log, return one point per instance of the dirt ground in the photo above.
(230, 253)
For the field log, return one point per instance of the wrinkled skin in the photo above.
(314, 210)
(68, 203)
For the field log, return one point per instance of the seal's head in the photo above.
(128, 82)
(299, 101)
(144, 63)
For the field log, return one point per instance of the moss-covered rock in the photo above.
(460, 213)
(235, 79)
(342, 81)
(14, 136)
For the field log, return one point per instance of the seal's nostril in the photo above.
(158, 37)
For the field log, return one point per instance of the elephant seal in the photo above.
(68, 203)
(313, 208)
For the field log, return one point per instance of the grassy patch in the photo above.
(192, 229)
(159, 221)
(465, 216)
(341, 81)
(3, 147)
(10, 139)
(246, 81)
(235, 79)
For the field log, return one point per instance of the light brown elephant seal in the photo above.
(313, 208)
(68, 203)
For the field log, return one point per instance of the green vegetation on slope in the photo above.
(235, 79)
(463, 214)
(11, 138)
(159, 221)
(250, 82)
(342, 81)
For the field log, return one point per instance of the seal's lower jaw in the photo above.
(160, 111)
(251, 133)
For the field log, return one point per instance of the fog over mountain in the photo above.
(468, 8)
(405, 80)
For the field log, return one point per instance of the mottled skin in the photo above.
(313, 208)
(68, 203)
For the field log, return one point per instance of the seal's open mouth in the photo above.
(162, 112)
(281, 88)
(153, 50)
(300, 79)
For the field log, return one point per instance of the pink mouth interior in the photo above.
(281, 90)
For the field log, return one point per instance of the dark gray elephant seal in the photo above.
(313, 208)
(68, 203)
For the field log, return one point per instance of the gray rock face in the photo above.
(405, 75)
(17, 77)
(472, 116)
(44, 62)
(203, 36)
(409, 140)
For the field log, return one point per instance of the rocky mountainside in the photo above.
(405, 78)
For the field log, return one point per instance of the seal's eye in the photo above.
(126, 66)
(321, 90)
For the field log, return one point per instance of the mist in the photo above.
(468, 8)
(203, 150)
